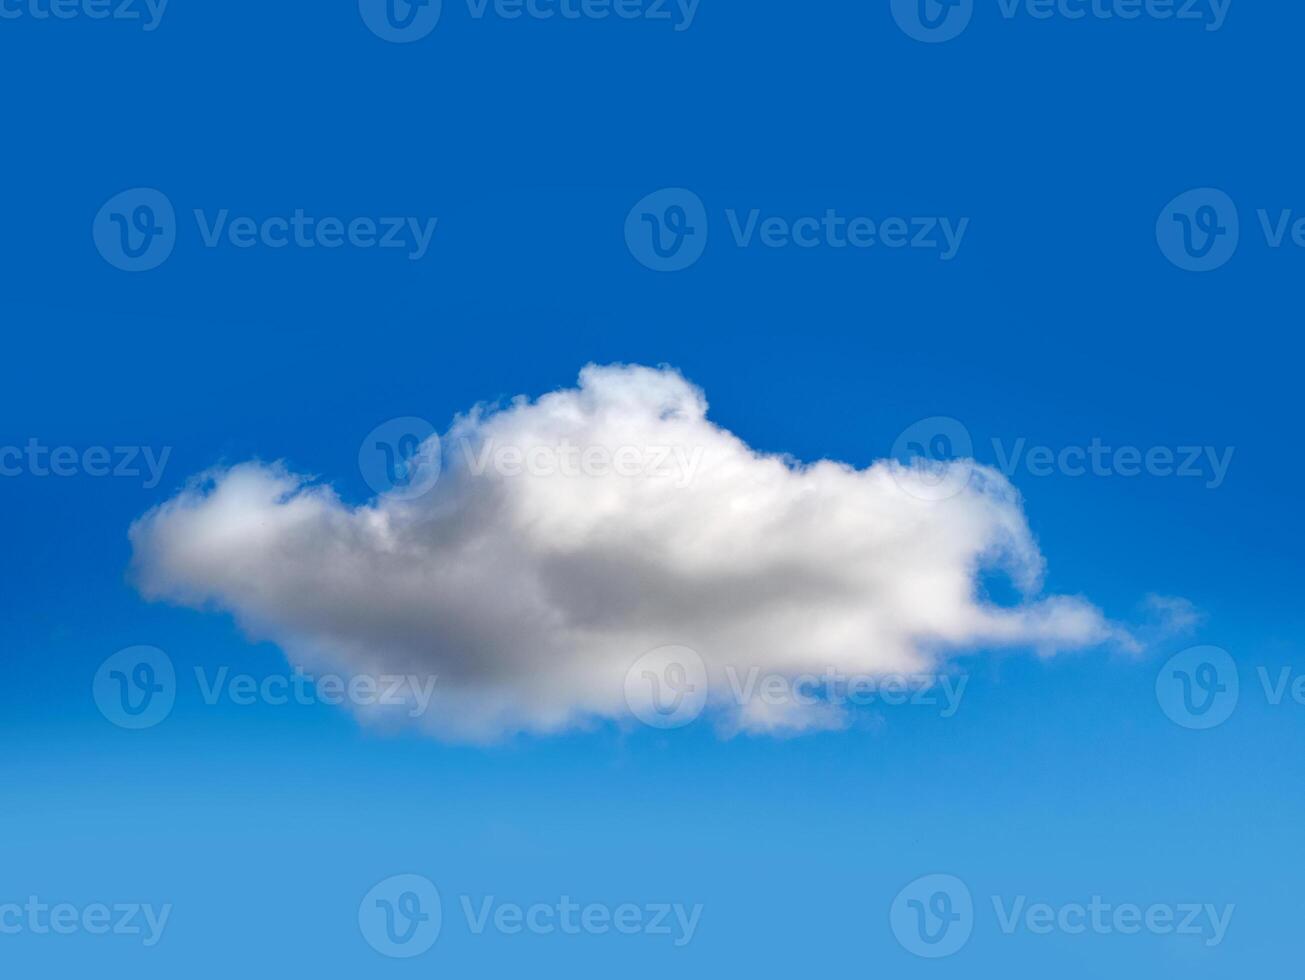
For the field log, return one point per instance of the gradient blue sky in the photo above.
(1060, 321)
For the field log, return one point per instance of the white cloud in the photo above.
(531, 589)
(1171, 615)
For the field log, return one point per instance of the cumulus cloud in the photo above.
(567, 536)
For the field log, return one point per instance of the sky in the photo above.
(947, 350)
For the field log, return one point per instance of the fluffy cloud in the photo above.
(568, 536)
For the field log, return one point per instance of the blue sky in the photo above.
(1062, 319)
